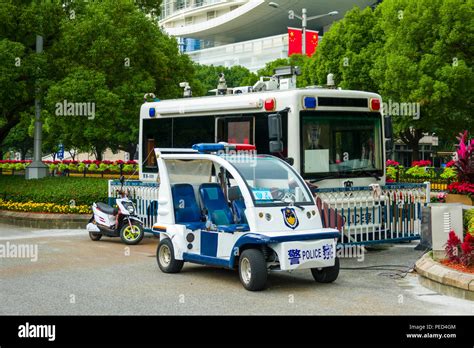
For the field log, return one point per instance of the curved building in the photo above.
(208, 24)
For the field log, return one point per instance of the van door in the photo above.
(235, 130)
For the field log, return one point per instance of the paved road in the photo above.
(74, 275)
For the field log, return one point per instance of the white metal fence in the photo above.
(145, 196)
(364, 215)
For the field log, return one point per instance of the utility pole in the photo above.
(37, 169)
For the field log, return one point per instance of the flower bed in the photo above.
(76, 166)
(458, 267)
(44, 207)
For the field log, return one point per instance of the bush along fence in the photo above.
(420, 172)
(74, 168)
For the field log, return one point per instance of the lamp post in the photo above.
(304, 19)
(37, 169)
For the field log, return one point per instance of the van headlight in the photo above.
(131, 209)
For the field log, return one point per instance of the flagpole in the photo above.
(303, 25)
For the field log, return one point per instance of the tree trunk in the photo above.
(98, 152)
(131, 149)
(412, 137)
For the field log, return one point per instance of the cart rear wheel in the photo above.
(165, 257)
(253, 270)
(326, 274)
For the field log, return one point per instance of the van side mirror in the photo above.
(388, 127)
(275, 133)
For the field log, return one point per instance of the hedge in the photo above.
(58, 190)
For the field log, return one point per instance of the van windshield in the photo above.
(271, 181)
(342, 144)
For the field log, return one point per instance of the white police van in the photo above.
(226, 206)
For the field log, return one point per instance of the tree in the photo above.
(410, 52)
(111, 54)
(295, 60)
(427, 59)
(20, 67)
(347, 51)
(206, 78)
(19, 138)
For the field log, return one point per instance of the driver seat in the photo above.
(219, 211)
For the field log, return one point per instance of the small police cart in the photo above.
(224, 205)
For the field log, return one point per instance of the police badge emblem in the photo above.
(290, 218)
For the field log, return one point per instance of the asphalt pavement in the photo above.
(73, 275)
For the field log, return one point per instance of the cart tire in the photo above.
(95, 236)
(326, 274)
(132, 236)
(165, 257)
(253, 270)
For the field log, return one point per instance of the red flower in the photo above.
(466, 247)
(450, 164)
(422, 163)
(391, 163)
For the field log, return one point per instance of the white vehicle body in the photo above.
(338, 144)
(303, 244)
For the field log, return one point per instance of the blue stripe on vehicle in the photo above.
(205, 260)
(209, 243)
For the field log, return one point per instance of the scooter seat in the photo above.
(105, 208)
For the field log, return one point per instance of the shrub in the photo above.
(460, 252)
(58, 190)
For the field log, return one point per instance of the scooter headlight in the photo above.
(131, 209)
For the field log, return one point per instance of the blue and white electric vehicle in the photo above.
(221, 206)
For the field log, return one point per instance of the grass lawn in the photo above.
(59, 190)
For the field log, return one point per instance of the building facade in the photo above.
(243, 32)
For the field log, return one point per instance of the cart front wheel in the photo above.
(326, 274)
(253, 270)
(165, 257)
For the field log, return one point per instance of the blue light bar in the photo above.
(208, 147)
(152, 112)
(310, 103)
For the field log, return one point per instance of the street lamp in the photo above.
(304, 19)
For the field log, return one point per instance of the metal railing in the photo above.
(143, 194)
(364, 216)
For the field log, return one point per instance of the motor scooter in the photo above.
(120, 222)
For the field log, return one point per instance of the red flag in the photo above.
(295, 41)
(311, 42)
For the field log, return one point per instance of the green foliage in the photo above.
(348, 51)
(418, 172)
(206, 78)
(59, 190)
(432, 64)
(449, 173)
(468, 221)
(392, 173)
(295, 60)
(408, 51)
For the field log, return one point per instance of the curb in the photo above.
(41, 220)
(445, 280)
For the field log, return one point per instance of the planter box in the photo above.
(457, 198)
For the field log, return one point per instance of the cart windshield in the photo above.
(271, 181)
